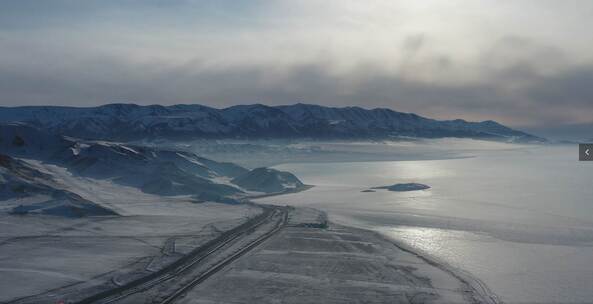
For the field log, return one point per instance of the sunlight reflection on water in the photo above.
(417, 170)
(520, 220)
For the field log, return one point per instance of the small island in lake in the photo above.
(404, 187)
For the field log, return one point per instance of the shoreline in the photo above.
(481, 293)
(337, 261)
(472, 282)
(305, 263)
(475, 284)
(288, 191)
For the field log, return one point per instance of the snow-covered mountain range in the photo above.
(25, 150)
(133, 122)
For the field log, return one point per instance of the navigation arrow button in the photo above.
(586, 152)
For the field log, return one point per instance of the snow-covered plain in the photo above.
(337, 264)
(41, 253)
(516, 217)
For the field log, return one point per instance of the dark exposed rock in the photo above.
(404, 187)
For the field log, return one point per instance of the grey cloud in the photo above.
(571, 88)
(412, 45)
(143, 14)
(110, 79)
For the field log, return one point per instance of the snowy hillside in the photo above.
(268, 180)
(152, 170)
(25, 189)
(130, 121)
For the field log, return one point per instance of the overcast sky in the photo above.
(520, 62)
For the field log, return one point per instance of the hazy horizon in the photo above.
(525, 64)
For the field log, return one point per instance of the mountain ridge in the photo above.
(121, 121)
(152, 170)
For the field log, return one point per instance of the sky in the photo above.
(525, 63)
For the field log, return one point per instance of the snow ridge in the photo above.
(130, 121)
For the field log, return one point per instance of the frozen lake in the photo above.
(518, 218)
